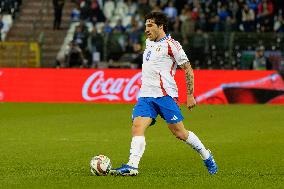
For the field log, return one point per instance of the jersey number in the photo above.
(148, 55)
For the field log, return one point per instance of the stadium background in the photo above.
(93, 59)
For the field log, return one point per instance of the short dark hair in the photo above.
(159, 18)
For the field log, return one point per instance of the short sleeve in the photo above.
(176, 51)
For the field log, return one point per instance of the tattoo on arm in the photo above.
(189, 76)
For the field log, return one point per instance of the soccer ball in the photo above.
(100, 165)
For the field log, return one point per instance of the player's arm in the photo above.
(189, 77)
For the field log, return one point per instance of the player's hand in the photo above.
(190, 103)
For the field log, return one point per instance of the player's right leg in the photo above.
(137, 148)
(143, 115)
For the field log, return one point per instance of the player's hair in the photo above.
(159, 18)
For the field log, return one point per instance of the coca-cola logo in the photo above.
(98, 87)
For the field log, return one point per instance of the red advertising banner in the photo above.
(122, 86)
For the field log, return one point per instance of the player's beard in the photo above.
(150, 37)
(153, 36)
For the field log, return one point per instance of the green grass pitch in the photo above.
(50, 146)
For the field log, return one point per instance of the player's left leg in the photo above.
(170, 111)
(191, 139)
(188, 137)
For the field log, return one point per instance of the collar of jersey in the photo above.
(164, 38)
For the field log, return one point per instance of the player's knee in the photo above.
(136, 125)
(137, 129)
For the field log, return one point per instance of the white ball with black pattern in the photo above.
(100, 165)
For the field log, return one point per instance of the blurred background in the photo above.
(216, 34)
(64, 62)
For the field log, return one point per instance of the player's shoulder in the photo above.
(170, 38)
(172, 42)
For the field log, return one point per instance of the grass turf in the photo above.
(50, 146)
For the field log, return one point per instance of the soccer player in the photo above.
(158, 94)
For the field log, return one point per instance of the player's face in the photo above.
(152, 31)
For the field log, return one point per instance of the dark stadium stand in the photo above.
(35, 22)
(215, 34)
(10, 6)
